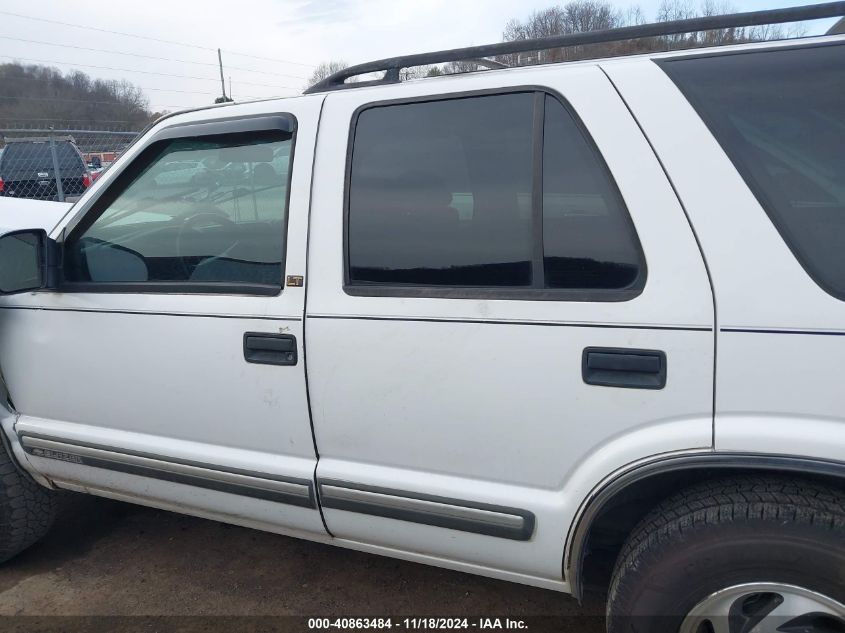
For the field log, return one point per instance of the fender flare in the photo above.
(591, 508)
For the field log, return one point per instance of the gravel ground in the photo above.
(105, 558)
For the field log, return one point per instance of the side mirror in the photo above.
(28, 261)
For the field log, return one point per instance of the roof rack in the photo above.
(393, 65)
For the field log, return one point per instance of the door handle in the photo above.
(620, 367)
(270, 349)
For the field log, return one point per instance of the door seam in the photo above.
(698, 243)
(305, 321)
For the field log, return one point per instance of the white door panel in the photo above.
(181, 377)
(726, 215)
(445, 406)
(500, 403)
(460, 417)
(673, 293)
(803, 415)
(781, 345)
(148, 395)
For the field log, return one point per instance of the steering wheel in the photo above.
(192, 224)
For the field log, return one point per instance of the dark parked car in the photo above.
(27, 169)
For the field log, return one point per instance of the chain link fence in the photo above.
(56, 164)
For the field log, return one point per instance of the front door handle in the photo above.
(270, 349)
(620, 367)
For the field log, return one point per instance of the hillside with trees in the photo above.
(39, 96)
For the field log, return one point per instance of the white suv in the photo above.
(577, 325)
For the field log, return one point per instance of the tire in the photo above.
(723, 534)
(27, 509)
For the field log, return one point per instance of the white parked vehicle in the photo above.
(24, 213)
(576, 325)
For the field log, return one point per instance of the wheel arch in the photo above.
(614, 507)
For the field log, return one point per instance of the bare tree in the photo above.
(684, 9)
(418, 72)
(326, 69)
(580, 16)
(462, 66)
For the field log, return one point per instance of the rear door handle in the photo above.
(620, 367)
(270, 349)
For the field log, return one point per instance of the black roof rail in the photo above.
(393, 65)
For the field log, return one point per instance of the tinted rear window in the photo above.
(780, 117)
(441, 193)
(37, 156)
(588, 240)
(503, 192)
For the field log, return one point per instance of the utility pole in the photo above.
(230, 87)
(222, 81)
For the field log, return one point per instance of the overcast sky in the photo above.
(269, 46)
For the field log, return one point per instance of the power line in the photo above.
(51, 99)
(189, 92)
(267, 59)
(146, 37)
(164, 59)
(14, 118)
(144, 72)
(59, 99)
(115, 102)
(196, 92)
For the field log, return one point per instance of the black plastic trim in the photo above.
(393, 65)
(513, 293)
(270, 349)
(426, 518)
(538, 263)
(593, 506)
(46, 258)
(171, 288)
(624, 368)
(181, 478)
(228, 125)
(98, 204)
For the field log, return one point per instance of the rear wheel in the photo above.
(27, 509)
(740, 555)
(765, 607)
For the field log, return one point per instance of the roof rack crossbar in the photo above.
(391, 66)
